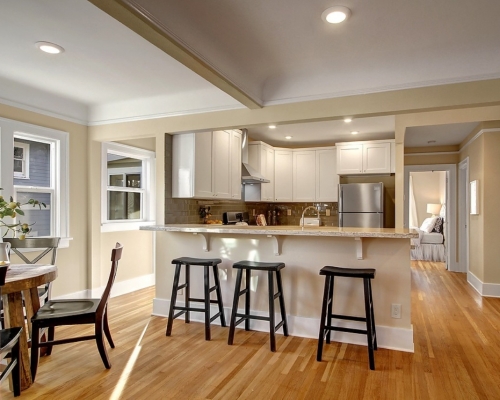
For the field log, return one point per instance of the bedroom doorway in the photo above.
(447, 179)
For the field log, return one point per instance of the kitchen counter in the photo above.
(282, 230)
(304, 252)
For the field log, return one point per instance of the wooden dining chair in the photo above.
(75, 312)
(45, 246)
(9, 347)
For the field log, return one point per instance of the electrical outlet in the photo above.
(288, 211)
(253, 212)
(396, 311)
(181, 292)
(327, 212)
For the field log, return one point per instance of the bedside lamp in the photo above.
(434, 209)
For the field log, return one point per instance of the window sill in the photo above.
(125, 226)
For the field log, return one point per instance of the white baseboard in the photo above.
(387, 337)
(484, 289)
(119, 288)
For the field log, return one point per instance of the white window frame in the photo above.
(59, 188)
(148, 184)
(25, 173)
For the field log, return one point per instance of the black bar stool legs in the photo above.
(187, 262)
(271, 268)
(327, 309)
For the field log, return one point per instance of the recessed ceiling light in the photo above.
(347, 120)
(50, 48)
(336, 14)
(288, 137)
(354, 132)
(272, 126)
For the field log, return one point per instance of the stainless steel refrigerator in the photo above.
(361, 205)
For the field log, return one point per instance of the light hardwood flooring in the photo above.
(457, 356)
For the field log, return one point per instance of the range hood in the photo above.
(248, 173)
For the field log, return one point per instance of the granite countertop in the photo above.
(389, 233)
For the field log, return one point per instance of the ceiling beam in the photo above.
(145, 26)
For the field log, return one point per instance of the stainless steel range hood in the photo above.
(248, 174)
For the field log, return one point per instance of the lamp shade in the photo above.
(433, 209)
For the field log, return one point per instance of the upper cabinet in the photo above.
(373, 157)
(327, 179)
(207, 165)
(283, 175)
(304, 175)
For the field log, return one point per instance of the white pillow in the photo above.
(428, 224)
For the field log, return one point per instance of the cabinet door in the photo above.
(283, 172)
(267, 170)
(304, 175)
(350, 159)
(377, 158)
(235, 165)
(221, 164)
(327, 180)
(203, 185)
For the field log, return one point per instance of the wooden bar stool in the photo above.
(327, 314)
(202, 262)
(271, 268)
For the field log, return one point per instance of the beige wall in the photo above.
(73, 261)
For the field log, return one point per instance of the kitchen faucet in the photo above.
(303, 212)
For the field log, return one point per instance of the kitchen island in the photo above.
(304, 251)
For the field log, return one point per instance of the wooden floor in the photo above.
(457, 356)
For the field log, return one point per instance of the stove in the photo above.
(235, 218)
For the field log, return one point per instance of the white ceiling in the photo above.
(277, 51)
(438, 135)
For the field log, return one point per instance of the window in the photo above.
(37, 168)
(21, 160)
(127, 187)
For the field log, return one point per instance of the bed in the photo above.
(430, 245)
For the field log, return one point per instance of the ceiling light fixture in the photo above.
(288, 137)
(347, 120)
(272, 126)
(336, 14)
(354, 132)
(50, 48)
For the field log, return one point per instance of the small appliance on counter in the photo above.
(235, 218)
(361, 205)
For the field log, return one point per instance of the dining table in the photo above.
(21, 283)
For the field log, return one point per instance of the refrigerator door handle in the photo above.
(340, 207)
(341, 219)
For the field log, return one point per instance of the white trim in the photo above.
(148, 179)
(477, 135)
(463, 194)
(387, 337)
(430, 153)
(451, 206)
(484, 289)
(59, 148)
(127, 286)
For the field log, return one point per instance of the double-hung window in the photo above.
(34, 165)
(128, 196)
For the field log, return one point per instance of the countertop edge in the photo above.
(388, 233)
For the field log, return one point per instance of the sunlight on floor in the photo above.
(128, 368)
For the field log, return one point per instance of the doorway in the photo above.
(450, 230)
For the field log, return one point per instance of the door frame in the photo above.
(451, 207)
(463, 214)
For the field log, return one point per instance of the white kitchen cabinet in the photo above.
(204, 166)
(304, 175)
(235, 169)
(283, 175)
(327, 179)
(261, 158)
(356, 158)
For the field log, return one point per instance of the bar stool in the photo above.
(202, 262)
(271, 268)
(326, 313)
